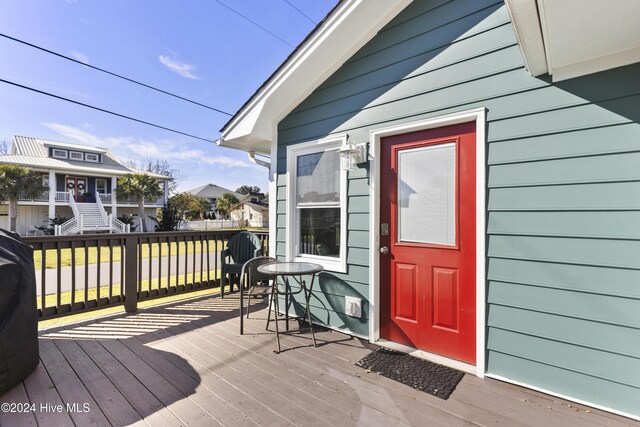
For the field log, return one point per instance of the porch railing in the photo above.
(80, 273)
(42, 197)
(104, 197)
(147, 201)
(62, 197)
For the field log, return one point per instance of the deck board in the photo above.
(186, 364)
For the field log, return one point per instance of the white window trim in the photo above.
(105, 185)
(477, 115)
(59, 156)
(76, 152)
(338, 265)
(86, 157)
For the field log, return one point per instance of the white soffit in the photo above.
(350, 26)
(579, 37)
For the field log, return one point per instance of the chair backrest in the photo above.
(242, 246)
(253, 276)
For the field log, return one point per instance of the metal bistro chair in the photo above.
(255, 283)
(241, 247)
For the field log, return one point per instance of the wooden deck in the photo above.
(186, 364)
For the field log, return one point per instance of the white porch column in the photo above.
(114, 200)
(166, 192)
(52, 194)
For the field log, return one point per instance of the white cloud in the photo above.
(84, 137)
(181, 68)
(80, 56)
(146, 149)
(132, 147)
(226, 162)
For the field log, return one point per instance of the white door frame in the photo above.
(478, 116)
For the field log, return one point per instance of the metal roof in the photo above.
(212, 191)
(33, 152)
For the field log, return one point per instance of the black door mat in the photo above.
(437, 380)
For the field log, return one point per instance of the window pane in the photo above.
(320, 231)
(427, 194)
(318, 178)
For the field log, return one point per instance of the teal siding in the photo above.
(563, 191)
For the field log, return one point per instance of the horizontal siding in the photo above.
(575, 331)
(563, 201)
(599, 252)
(581, 197)
(581, 143)
(563, 381)
(580, 278)
(587, 224)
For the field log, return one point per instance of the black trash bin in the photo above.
(18, 313)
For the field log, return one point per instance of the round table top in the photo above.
(290, 268)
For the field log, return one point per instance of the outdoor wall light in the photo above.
(352, 154)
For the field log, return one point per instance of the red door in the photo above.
(428, 231)
(78, 187)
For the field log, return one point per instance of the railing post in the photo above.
(131, 274)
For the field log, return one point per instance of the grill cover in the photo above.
(18, 313)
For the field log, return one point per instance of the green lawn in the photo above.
(80, 259)
(65, 297)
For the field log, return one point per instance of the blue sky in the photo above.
(196, 48)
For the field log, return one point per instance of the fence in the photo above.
(220, 224)
(86, 272)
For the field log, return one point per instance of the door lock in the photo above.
(384, 250)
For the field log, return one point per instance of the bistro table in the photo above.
(295, 270)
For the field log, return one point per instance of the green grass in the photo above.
(92, 295)
(90, 255)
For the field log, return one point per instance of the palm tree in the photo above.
(226, 203)
(15, 182)
(140, 186)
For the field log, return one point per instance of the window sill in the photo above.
(333, 265)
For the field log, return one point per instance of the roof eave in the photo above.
(347, 28)
(573, 38)
(526, 23)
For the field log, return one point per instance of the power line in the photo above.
(106, 111)
(254, 23)
(112, 73)
(301, 12)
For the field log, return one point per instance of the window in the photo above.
(101, 186)
(76, 155)
(59, 154)
(317, 204)
(89, 157)
(45, 179)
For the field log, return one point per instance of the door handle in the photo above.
(384, 250)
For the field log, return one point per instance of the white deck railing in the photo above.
(62, 197)
(42, 197)
(69, 227)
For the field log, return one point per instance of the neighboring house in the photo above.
(212, 193)
(493, 225)
(82, 181)
(253, 210)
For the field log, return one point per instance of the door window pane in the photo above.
(427, 194)
(320, 231)
(318, 178)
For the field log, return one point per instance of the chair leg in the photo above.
(222, 282)
(248, 304)
(241, 316)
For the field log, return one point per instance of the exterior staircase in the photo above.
(90, 217)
